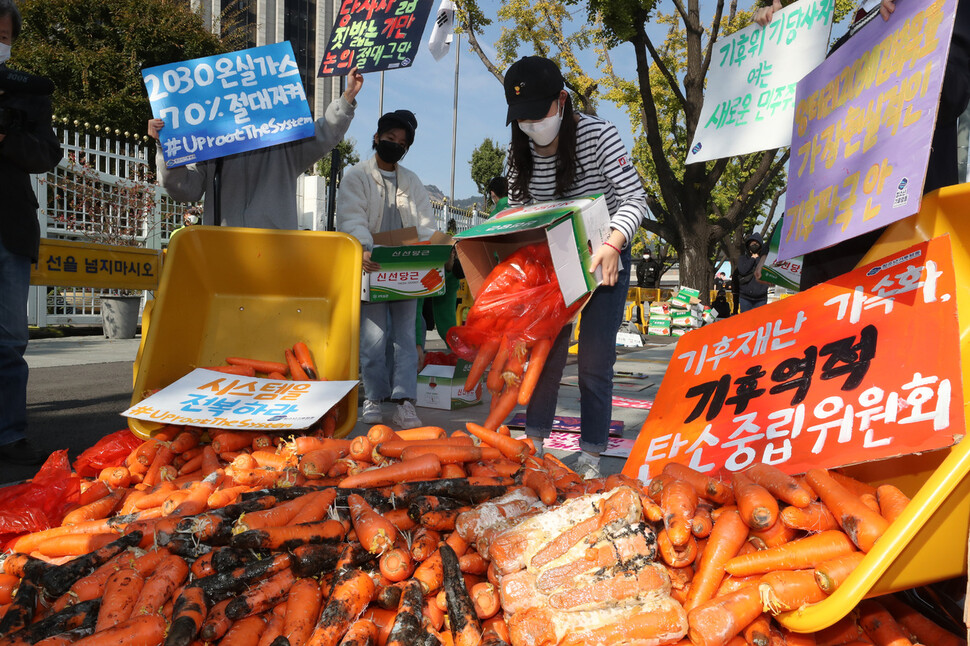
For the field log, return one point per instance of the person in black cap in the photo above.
(379, 195)
(558, 154)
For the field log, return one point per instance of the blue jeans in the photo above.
(598, 326)
(751, 303)
(387, 330)
(14, 281)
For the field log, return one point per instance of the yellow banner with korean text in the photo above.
(864, 367)
(84, 264)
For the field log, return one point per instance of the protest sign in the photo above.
(784, 273)
(217, 400)
(864, 121)
(375, 36)
(749, 101)
(866, 366)
(230, 103)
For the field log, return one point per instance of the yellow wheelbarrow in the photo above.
(252, 292)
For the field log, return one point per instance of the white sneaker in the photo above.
(588, 466)
(406, 416)
(372, 413)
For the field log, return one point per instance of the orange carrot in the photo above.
(362, 632)
(144, 629)
(707, 487)
(540, 482)
(361, 448)
(276, 516)
(290, 535)
(396, 564)
(73, 544)
(494, 381)
(245, 632)
(503, 406)
(485, 599)
(715, 622)
(263, 596)
(120, 594)
(426, 467)
(396, 448)
(892, 502)
(676, 555)
(486, 353)
(855, 486)
(100, 508)
(678, 501)
(920, 626)
(537, 361)
(880, 626)
(814, 517)
(379, 433)
(790, 590)
(511, 448)
(780, 484)
(116, 477)
(93, 492)
(862, 524)
(830, 573)
(450, 471)
(317, 463)
(430, 572)
(296, 370)
(302, 609)
(422, 433)
(302, 354)
(795, 555)
(352, 591)
(374, 532)
(757, 506)
(316, 507)
(843, 631)
(726, 539)
(450, 454)
(424, 543)
(777, 534)
(184, 441)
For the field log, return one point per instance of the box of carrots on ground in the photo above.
(424, 536)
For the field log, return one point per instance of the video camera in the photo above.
(14, 82)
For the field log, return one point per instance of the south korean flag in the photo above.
(443, 30)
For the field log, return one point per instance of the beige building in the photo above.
(305, 23)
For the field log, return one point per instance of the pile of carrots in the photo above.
(298, 366)
(245, 538)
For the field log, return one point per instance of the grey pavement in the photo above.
(79, 385)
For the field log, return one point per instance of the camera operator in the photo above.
(27, 145)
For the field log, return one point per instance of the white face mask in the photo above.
(4, 53)
(542, 132)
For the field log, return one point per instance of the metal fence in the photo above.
(103, 191)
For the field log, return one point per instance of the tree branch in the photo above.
(715, 28)
(665, 71)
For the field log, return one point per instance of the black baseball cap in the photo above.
(532, 83)
(404, 119)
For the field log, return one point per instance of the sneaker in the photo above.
(587, 466)
(21, 452)
(372, 413)
(406, 416)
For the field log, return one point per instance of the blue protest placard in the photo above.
(230, 103)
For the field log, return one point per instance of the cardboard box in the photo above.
(684, 298)
(659, 326)
(443, 387)
(574, 229)
(408, 269)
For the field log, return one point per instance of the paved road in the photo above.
(79, 386)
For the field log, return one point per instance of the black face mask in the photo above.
(391, 152)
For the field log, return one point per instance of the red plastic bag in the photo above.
(42, 502)
(437, 358)
(110, 451)
(520, 300)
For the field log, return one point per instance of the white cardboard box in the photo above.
(443, 387)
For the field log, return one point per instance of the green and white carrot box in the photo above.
(408, 269)
(443, 387)
(574, 229)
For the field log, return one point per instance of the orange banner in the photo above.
(864, 367)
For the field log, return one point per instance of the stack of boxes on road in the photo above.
(679, 314)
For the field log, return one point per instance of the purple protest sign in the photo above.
(864, 120)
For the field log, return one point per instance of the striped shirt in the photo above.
(603, 166)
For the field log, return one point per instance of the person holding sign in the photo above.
(28, 145)
(379, 195)
(559, 154)
(257, 188)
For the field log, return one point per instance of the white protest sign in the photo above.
(217, 400)
(749, 102)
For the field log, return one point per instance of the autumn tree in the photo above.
(95, 50)
(347, 155)
(488, 161)
(696, 208)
